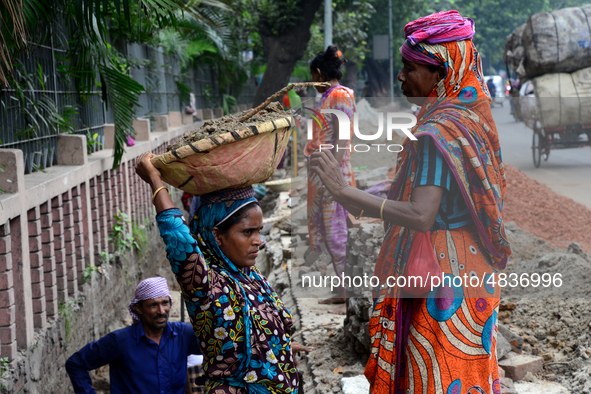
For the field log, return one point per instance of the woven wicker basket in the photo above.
(231, 160)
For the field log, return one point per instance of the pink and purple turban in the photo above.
(148, 289)
(444, 26)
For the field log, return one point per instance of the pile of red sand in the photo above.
(545, 214)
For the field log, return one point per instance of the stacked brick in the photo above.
(79, 215)
(97, 213)
(133, 192)
(109, 205)
(122, 184)
(114, 189)
(69, 244)
(48, 247)
(37, 271)
(59, 248)
(8, 308)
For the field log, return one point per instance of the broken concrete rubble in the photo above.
(364, 245)
(517, 367)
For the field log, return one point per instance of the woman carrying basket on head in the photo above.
(327, 221)
(243, 328)
(451, 182)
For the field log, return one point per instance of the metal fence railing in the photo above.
(30, 113)
(43, 102)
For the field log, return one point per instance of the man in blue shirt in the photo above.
(149, 356)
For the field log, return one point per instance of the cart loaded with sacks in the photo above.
(551, 56)
(559, 117)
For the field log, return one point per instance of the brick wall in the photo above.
(53, 227)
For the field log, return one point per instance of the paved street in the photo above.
(567, 171)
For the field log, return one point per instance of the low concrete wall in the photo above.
(54, 229)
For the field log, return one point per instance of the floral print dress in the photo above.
(242, 327)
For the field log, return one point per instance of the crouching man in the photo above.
(150, 356)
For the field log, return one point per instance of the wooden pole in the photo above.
(295, 152)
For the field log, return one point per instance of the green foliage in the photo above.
(402, 13)
(92, 142)
(105, 257)
(36, 167)
(184, 91)
(228, 103)
(123, 93)
(175, 44)
(12, 32)
(87, 274)
(350, 29)
(208, 95)
(4, 365)
(67, 310)
(39, 113)
(94, 23)
(123, 239)
(496, 19)
(279, 16)
(302, 72)
(139, 235)
(197, 47)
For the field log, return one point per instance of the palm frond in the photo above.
(208, 25)
(123, 93)
(174, 44)
(198, 47)
(93, 14)
(12, 35)
(197, 5)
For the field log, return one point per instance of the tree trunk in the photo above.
(284, 50)
(378, 78)
(350, 78)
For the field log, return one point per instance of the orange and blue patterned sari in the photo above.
(446, 342)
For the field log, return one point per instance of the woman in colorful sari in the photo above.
(451, 182)
(243, 328)
(327, 221)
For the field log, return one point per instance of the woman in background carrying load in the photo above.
(327, 221)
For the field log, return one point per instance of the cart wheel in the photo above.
(536, 148)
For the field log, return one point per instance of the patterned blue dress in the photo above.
(242, 327)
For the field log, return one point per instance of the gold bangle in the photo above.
(382, 209)
(156, 193)
(360, 214)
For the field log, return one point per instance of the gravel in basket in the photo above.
(226, 153)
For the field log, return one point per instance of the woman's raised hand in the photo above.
(326, 167)
(146, 170)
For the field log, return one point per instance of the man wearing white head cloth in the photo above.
(150, 356)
